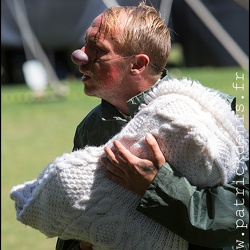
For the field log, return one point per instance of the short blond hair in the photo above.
(141, 30)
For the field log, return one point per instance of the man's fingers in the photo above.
(129, 171)
(123, 152)
(110, 154)
(115, 170)
(115, 178)
(85, 245)
(153, 145)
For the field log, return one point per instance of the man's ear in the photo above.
(139, 63)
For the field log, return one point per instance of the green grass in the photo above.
(33, 134)
(35, 131)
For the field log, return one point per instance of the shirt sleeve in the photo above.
(215, 217)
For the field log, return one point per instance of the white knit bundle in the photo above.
(72, 199)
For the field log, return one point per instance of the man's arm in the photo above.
(215, 217)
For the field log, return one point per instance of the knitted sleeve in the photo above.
(72, 199)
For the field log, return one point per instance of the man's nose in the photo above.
(79, 57)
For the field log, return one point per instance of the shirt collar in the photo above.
(109, 112)
(134, 103)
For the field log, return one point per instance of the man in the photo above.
(125, 54)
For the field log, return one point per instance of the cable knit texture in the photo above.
(72, 199)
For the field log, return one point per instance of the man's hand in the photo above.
(130, 171)
(85, 245)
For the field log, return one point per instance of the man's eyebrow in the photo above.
(89, 38)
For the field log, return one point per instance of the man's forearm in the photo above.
(215, 217)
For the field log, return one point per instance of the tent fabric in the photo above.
(60, 27)
(56, 23)
(61, 23)
(200, 46)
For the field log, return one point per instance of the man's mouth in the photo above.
(85, 78)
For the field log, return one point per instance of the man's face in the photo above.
(104, 75)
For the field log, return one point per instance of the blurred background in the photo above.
(42, 98)
(214, 33)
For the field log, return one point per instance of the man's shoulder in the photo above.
(101, 123)
(230, 99)
(102, 112)
(94, 114)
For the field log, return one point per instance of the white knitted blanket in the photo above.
(72, 199)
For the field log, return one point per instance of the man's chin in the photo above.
(88, 91)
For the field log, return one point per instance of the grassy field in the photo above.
(34, 132)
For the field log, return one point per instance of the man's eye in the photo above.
(98, 49)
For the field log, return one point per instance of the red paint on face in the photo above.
(106, 82)
(104, 74)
